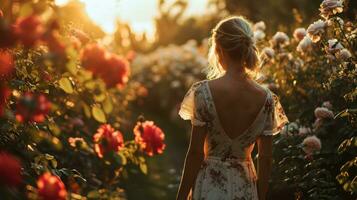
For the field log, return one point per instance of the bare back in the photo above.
(237, 103)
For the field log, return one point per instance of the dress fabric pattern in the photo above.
(228, 172)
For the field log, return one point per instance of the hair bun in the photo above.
(233, 35)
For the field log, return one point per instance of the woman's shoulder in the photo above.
(198, 84)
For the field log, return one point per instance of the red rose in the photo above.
(10, 170)
(29, 30)
(106, 140)
(6, 64)
(51, 187)
(4, 95)
(55, 45)
(112, 69)
(93, 57)
(115, 72)
(32, 107)
(7, 36)
(149, 137)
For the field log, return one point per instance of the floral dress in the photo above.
(228, 172)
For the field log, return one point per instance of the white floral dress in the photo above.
(228, 172)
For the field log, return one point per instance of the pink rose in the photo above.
(327, 104)
(323, 113)
(311, 144)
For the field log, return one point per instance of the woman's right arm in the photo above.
(265, 152)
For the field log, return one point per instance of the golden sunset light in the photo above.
(138, 13)
(178, 99)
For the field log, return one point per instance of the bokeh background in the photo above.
(124, 63)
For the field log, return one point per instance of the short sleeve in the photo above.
(276, 118)
(189, 106)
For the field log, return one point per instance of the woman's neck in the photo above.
(236, 72)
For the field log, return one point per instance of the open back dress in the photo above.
(228, 172)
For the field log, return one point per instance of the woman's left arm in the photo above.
(193, 161)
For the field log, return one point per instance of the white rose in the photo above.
(268, 52)
(330, 7)
(334, 46)
(299, 33)
(280, 38)
(259, 26)
(304, 45)
(258, 35)
(344, 54)
(315, 30)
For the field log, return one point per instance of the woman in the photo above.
(229, 114)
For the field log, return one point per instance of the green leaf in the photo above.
(347, 185)
(143, 168)
(84, 75)
(346, 113)
(98, 114)
(90, 85)
(86, 110)
(107, 105)
(120, 159)
(54, 163)
(72, 67)
(49, 157)
(66, 85)
(100, 97)
(54, 129)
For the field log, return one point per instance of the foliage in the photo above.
(61, 111)
(315, 72)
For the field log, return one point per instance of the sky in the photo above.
(138, 13)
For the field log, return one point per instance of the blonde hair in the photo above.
(234, 36)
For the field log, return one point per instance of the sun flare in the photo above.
(138, 13)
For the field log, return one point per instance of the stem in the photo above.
(348, 42)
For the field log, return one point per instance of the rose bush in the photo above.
(63, 99)
(166, 73)
(315, 76)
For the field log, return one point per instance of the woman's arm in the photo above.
(265, 151)
(193, 161)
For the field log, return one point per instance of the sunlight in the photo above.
(138, 13)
